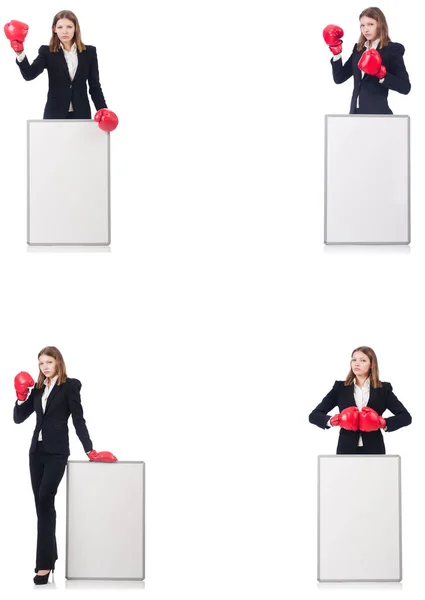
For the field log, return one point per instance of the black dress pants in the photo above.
(361, 450)
(46, 471)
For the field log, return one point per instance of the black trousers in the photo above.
(46, 471)
(361, 450)
(71, 115)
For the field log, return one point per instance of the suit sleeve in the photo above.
(401, 416)
(95, 88)
(342, 72)
(21, 412)
(74, 403)
(397, 78)
(319, 416)
(32, 71)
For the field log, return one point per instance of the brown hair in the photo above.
(60, 365)
(54, 43)
(375, 13)
(374, 371)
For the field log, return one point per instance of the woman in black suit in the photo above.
(54, 399)
(361, 399)
(376, 64)
(69, 63)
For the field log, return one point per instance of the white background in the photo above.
(217, 320)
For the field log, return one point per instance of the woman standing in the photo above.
(376, 64)
(361, 399)
(54, 399)
(70, 64)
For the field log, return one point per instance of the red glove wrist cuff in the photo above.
(335, 49)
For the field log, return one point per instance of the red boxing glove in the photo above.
(16, 32)
(106, 456)
(369, 420)
(103, 456)
(23, 381)
(347, 418)
(107, 119)
(332, 35)
(371, 63)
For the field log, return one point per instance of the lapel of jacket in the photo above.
(81, 56)
(373, 395)
(37, 401)
(349, 396)
(52, 394)
(63, 64)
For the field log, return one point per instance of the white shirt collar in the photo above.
(375, 44)
(366, 384)
(73, 48)
(53, 381)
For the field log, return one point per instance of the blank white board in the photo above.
(359, 518)
(367, 179)
(68, 183)
(105, 526)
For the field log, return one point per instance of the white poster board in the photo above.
(367, 179)
(359, 518)
(68, 183)
(105, 525)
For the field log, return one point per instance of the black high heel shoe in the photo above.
(42, 579)
(37, 570)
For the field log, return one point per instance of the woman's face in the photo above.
(47, 365)
(65, 30)
(369, 28)
(360, 364)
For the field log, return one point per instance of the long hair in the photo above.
(54, 43)
(60, 365)
(382, 30)
(374, 371)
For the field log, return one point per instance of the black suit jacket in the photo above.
(62, 90)
(373, 96)
(64, 400)
(380, 399)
